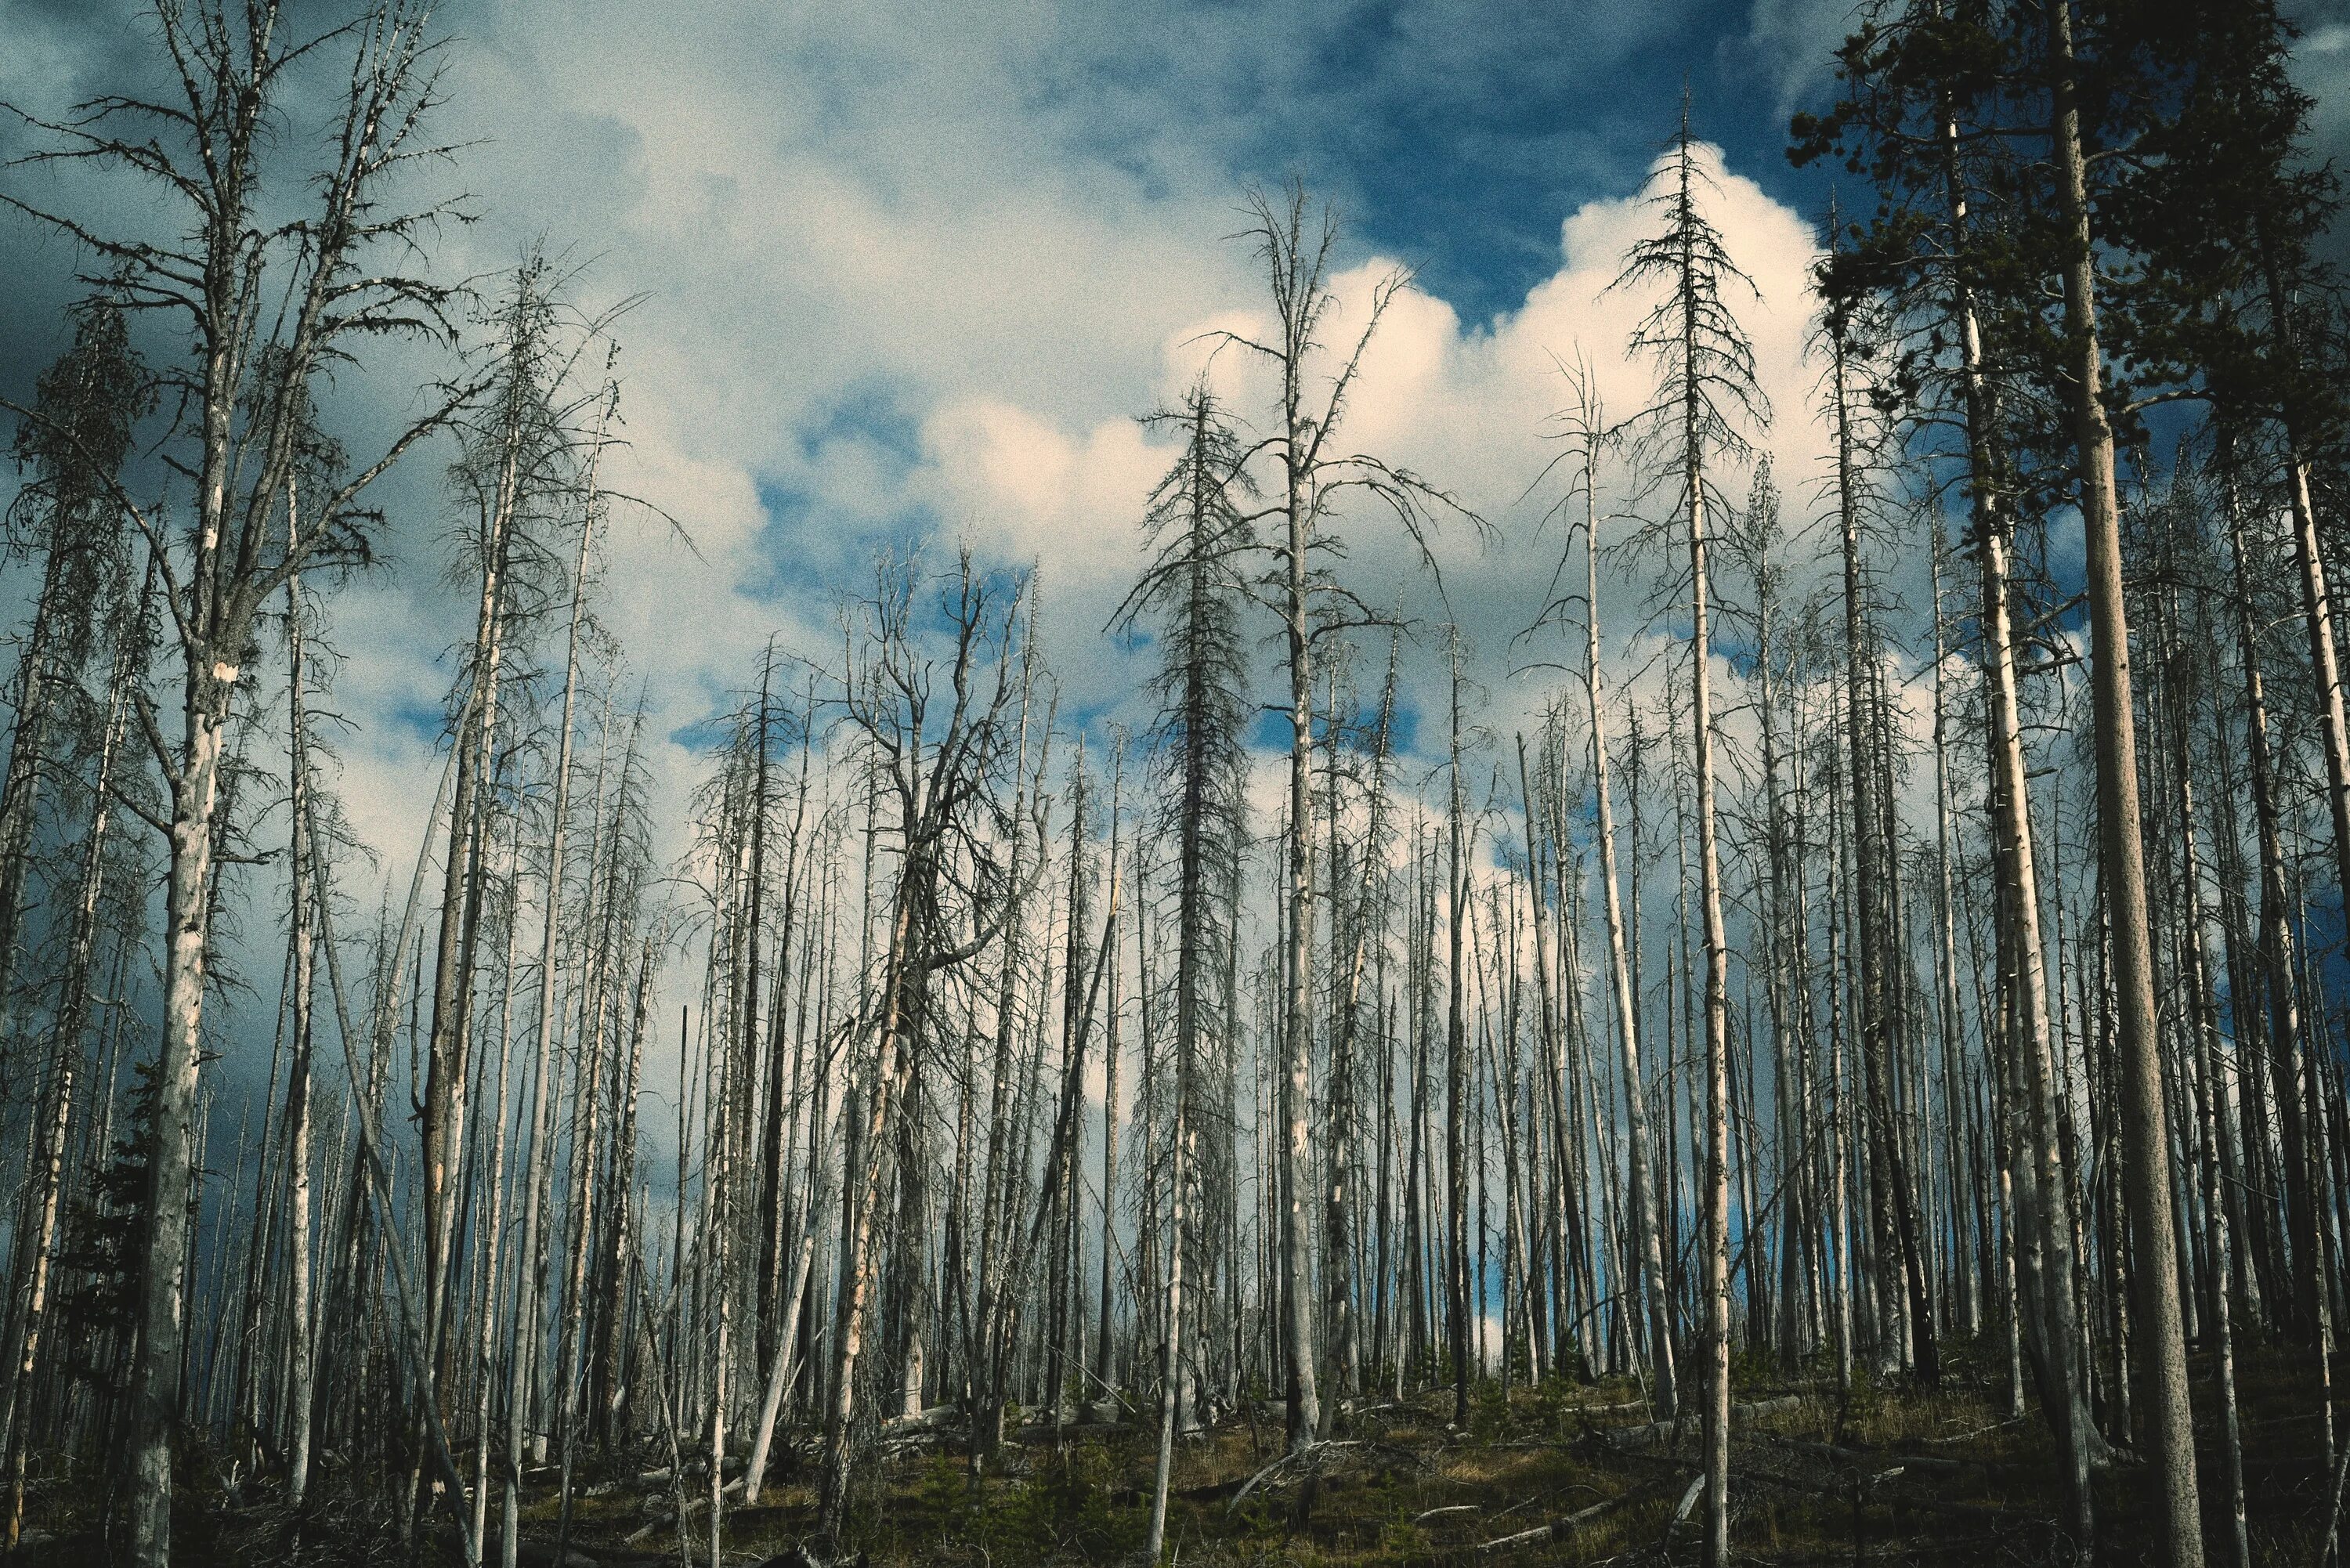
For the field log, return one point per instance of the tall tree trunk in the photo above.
(20, 791)
(1461, 1298)
(299, 1391)
(1296, 1032)
(70, 1027)
(1640, 1196)
(2146, 1143)
(159, 1368)
(1105, 1369)
(443, 1103)
(1893, 1227)
(531, 1285)
(2044, 1254)
(1716, 1261)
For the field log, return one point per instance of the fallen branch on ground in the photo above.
(1559, 1529)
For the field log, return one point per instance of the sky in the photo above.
(908, 274)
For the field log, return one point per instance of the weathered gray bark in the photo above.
(2146, 1142)
(57, 1105)
(240, 466)
(1463, 1306)
(303, 1356)
(530, 1286)
(1893, 1226)
(2043, 1255)
(1639, 1194)
(2208, 1085)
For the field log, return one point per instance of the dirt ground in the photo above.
(1567, 1473)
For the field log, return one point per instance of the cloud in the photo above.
(1465, 406)
(1799, 39)
(910, 276)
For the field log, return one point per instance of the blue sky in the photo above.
(910, 271)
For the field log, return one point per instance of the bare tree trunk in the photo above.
(1339, 1225)
(1171, 1364)
(1949, 1013)
(890, 1071)
(1105, 1370)
(1892, 1225)
(299, 1392)
(443, 1103)
(1717, 1028)
(2145, 1143)
(781, 1369)
(491, 1266)
(2208, 1085)
(1458, 1295)
(1297, 1033)
(1639, 1197)
(71, 1025)
(2043, 1251)
(531, 1282)
(158, 1370)
(21, 791)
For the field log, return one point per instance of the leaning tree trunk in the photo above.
(443, 1104)
(2145, 1141)
(2045, 1240)
(21, 789)
(905, 983)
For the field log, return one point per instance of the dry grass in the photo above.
(1868, 1475)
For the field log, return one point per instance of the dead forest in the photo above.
(1841, 1058)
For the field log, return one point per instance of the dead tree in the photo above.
(934, 730)
(1312, 475)
(267, 305)
(1707, 392)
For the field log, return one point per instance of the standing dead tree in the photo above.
(1851, 332)
(1707, 397)
(1312, 478)
(1584, 427)
(67, 516)
(934, 730)
(267, 305)
(1194, 587)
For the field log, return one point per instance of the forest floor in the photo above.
(1567, 1473)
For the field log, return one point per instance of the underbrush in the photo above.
(1874, 1470)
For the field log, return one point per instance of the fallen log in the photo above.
(922, 1420)
(668, 1516)
(1560, 1528)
